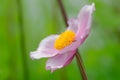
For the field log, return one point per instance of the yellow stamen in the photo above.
(65, 39)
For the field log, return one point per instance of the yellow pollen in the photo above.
(65, 39)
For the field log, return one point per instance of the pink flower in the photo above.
(61, 48)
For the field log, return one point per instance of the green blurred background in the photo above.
(24, 23)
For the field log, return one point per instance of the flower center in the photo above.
(65, 39)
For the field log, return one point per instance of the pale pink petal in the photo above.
(45, 49)
(59, 60)
(72, 24)
(85, 18)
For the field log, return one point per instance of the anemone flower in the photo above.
(60, 49)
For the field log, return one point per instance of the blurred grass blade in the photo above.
(22, 40)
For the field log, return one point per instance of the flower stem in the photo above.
(78, 57)
(80, 64)
(63, 12)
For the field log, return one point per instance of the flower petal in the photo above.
(45, 49)
(59, 60)
(85, 18)
(73, 22)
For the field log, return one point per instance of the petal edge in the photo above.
(45, 49)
